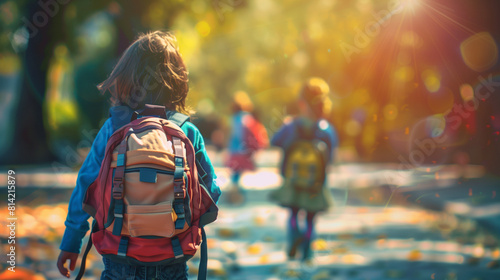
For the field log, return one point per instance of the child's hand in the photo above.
(61, 261)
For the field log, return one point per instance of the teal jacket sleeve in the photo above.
(76, 220)
(205, 169)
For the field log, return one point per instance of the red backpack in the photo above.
(254, 134)
(148, 204)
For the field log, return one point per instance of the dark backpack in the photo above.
(304, 163)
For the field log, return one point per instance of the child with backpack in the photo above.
(147, 180)
(247, 136)
(308, 141)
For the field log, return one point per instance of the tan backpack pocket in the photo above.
(151, 220)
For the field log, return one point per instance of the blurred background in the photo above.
(415, 90)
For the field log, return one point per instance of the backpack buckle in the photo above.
(179, 195)
(179, 161)
(118, 191)
(179, 191)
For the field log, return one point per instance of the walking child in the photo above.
(247, 136)
(147, 180)
(308, 142)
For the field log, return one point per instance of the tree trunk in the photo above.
(30, 145)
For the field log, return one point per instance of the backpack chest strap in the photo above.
(179, 183)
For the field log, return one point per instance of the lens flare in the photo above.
(479, 51)
(409, 4)
(435, 125)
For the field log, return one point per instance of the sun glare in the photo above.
(410, 5)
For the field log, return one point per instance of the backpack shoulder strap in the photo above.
(203, 267)
(177, 118)
(87, 249)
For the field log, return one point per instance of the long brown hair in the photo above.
(151, 70)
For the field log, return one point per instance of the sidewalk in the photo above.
(352, 242)
(431, 225)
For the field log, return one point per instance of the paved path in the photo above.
(387, 224)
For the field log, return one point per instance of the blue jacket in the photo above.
(236, 138)
(76, 221)
(324, 131)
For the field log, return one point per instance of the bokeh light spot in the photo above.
(203, 28)
(432, 80)
(467, 92)
(300, 59)
(323, 125)
(479, 51)
(404, 74)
